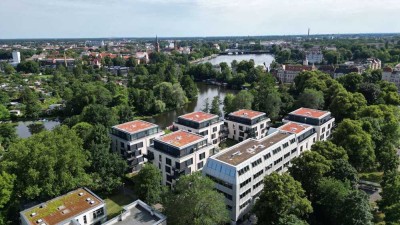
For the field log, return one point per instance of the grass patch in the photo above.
(372, 176)
(167, 131)
(115, 203)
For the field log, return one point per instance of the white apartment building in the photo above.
(74, 208)
(179, 153)
(287, 73)
(238, 171)
(132, 140)
(322, 121)
(205, 124)
(391, 75)
(314, 56)
(306, 135)
(246, 123)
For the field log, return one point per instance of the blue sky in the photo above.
(146, 18)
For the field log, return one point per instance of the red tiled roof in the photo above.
(198, 116)
(387, 69)
(134, 126)
(293, 127)
(298, 68)
(246, 113)
(311, 113)
(180, 138)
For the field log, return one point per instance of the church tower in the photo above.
(157, 45)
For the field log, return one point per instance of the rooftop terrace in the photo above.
(180, 138)
(198, 116)
(311, 113)
(250, 147)
(246, 113)
(294, 127)
(62, 208)
(134, 126)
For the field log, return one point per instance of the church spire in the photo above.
(157, 45)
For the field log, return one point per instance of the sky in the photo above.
(194, 18)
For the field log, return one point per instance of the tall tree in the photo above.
(215, 106)
(148, 184)
(54, 162)
(195, 201)
(311, 98)
(282, 196)
(358, 144)
(309, 169)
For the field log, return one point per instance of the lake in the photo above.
(23, 130)
(259, 59)
(166, 119)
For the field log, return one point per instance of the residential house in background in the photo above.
(77, 207)
(287, 73)
(314, 56)
(246, 123)
(392, 75)
(132, 139)
(179, 153)
(205, 124)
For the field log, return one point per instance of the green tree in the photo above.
(358, 144)
(148, 184)
(351, 81)
(346, 105)
(4, 113)
(311, 98)
(6, 187)
(370, 91)
(356, 209)
(31, 102)
(9, 69)
(54, 163)
(342, 170)
(390, 203)
(329, 150)
(99, 114)
(28, 67)
(215, 106)
(229, 105)
(309, 169)
(282, 196)
(195, 201)
(8, 134)
(190, 87)
(291, 220)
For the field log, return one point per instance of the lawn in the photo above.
(115, 203)
(372, 176)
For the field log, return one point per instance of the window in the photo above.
(168, 161)
(255, 163)
(279, 169)
(329, 126)
(84, 219)
(286, 164)
(213, 136)
(122, 145)
(278, 161)
(301, 149)
(200, 165)
(286, 144)
(293, 151)
(276, 150)
(314, 140)
(202, 155)
(259, 173)
(240, 139)
(189, 162)
(220, 182)
(322, 137)
(241, 134)
(262, 126)
(245, 204)
(227, 196)
(267, 156)
(167, 169)
(98, 213)
(323, 130)
(293, 141)
(268, 167)
(258, 184)
(204, 133)
(160, 158)
(215, 129)
(286, 155)
(245, 182)
(240, 127)
(243, 170)
(245, 193)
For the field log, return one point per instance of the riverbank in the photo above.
(204, 59)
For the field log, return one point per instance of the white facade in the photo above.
(244, 124)
(391, 76)
(180, 153)
(205, 124)
(16, 57)
(239, 171)
(322, 121)
(132, 140)
(315, 57)
(287, 73)
(94, 211)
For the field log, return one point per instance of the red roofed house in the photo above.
(132, 140)
(246, 123)
(306, 135)
(205, 124)
(322, 121)
(180, 153)
(287, 73)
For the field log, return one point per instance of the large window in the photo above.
(98, 213)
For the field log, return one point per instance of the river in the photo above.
(23, 129)
(165, 119)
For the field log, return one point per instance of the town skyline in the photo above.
(202, 18)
